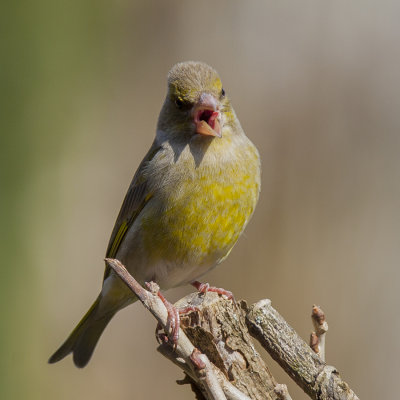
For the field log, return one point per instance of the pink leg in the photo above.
(173, 322)
(205, 287)
(188, 309)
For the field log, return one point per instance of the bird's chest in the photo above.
(202, 215)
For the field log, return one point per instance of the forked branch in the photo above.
(216, 352)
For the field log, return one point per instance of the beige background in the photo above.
(316, 87)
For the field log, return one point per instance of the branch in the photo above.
(227, 366)
(231, 392)
(197, 365)
(307, 369)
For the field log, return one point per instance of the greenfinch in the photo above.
(189, 201)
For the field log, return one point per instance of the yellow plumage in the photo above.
(188, 203)
(203, 214)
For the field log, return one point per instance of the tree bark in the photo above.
(319, 380)
(218, 329)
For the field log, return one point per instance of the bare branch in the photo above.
(307, 369)
(231, 392)
(208, 378)
(227, 365)
(198, 364)
(184, 349)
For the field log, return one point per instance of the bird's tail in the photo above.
(83, 339)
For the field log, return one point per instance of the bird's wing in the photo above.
(135, 200)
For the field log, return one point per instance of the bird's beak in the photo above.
(206, 116)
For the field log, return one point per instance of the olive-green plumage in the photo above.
(188, 202)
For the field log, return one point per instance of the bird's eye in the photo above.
(222, 92)
(179, 102)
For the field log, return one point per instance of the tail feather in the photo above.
(83, 339)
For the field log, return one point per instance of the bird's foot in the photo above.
(173, 322)
(188, 309)
(161, 336)
(205, 287)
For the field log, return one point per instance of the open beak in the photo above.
(206, 116)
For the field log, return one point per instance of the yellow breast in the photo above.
(202, 213)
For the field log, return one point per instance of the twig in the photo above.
(219, 330)
(317, 338)
(231, 392)
(192, 361)
(207, 376)
(318, 380)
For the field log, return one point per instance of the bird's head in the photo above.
(196, 103)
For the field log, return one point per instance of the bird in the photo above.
(189, 200)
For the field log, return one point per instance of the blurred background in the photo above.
(316, 87)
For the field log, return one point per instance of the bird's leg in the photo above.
(205, 287)
(161, 336)
(188, 309)
(173, 321)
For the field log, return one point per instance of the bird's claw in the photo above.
(196, 360)
(173, 322)
(205, 287)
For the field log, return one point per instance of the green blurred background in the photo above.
(316, 86)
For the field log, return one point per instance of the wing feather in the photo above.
(135, 200)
